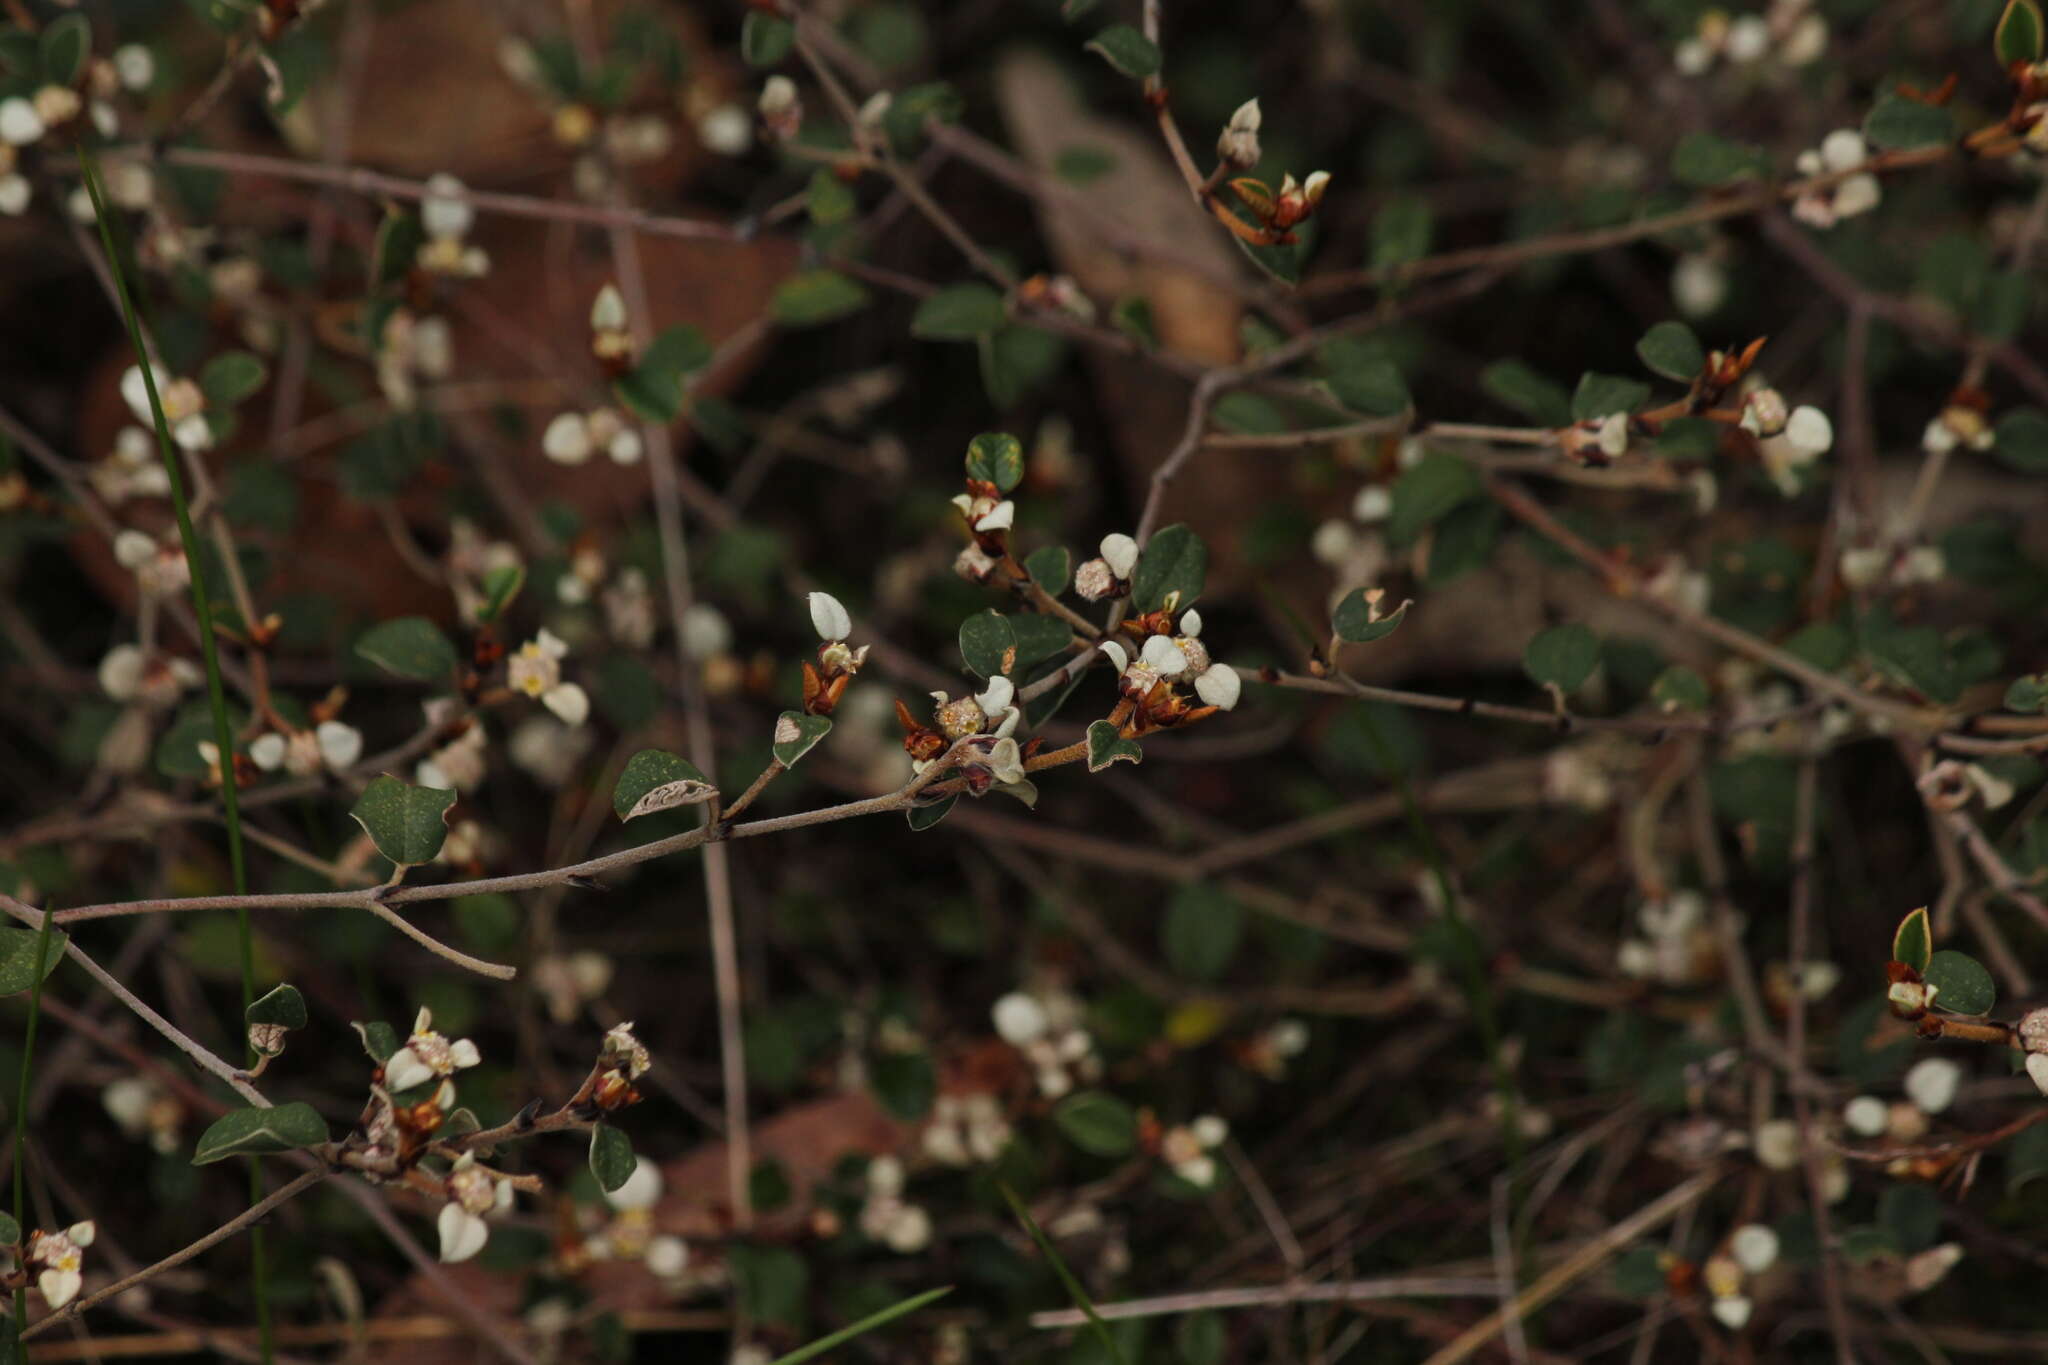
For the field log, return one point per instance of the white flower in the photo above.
(1163, 656)
(1020, 1019)
(1754, 1247)
(1749, 38)
(706, 632)
(1865, 1116)
(20, 124)
(667, 1257)
(1698, 284)
(1000, 518)
(829, 618)
(340, 745)
(1806, 42)
(1120, 552)
(427, 1054)
(1239, 142)
(57, 1256)
(1333, 542)
(121, 672)
(15, 193)
(642, 1188)
(1931, 1084)
(537, 667)
(135, 65)
(1373, 503)
(1219, 686)
(445, 211)
(725, 130)
(1777, 1144)
(567, 439)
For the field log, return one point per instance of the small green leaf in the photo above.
(1961, 984)
(1097, 1123)
(10, 1235)
(379, 1039)
(905, 1082)
(1670, 349)
(1373, 387)
(283, 1006)
(765, 39)
(1354, 623)
(923, 818)
(830, 200)
(655, 779)
(654, 388)
(959, 312)
(988, 644)
(1602, 395)
(1425, 493)
(1678, 688)
(397, 244)
(500, 585)
(611, 1155)
(1513, 384)
(231, 377)
(812, 298)
(253, 1132)
(796, 733)
(2027, 1158)
(1202, 930)
(407, 823)
(18, 957)
(1106, 746)
(1128, 50)
(996, 457)
(1170, 572)
(2021, 440)
(1706, 161)
(66, 44)
(2018, 35)
(1689, 438)
(411, 647)
(1912, 941)
(1401, 231)
(1050, 567)
(2029, 693)
(1038, 637)
(1562, 656)
(1897, 124)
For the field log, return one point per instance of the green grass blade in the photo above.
(865, 1325)
(216, 696)
(1059, 1267)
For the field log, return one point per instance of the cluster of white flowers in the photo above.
(629, 1235)
(986, 512)
(1788, 439)
(1186, 1148)
(427, 1055)
(1838, 155)
(411, 348)
(1952, 784)
(571, 438)
(160, 567)
(56, 1259)
(781, 108)
(1752, 1249)
(1270, 1050)
(1699, 283)
(143, 1109)
(1930, 1085)
(446, 216)
(1790, 34)
(457, 765)
(536, 670)
(1354, 548)
(127, 674)
(2033, 1041)
(1897, 566)
(1578, 775)
(1775, 1144)
(965, 1129)
(568, 982)
(888, 1218)
(1046, 1027)
(1173, 657)
(1676, 948)
(184, 407)
(330, 744)
(1238, 145)
(473, 1191)
(132, 469)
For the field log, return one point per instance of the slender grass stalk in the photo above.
(1059, 1267)
(861, 1328)
(216, 696)
(28, 1052)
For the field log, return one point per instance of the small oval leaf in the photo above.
(253, 1132)
(655, 779)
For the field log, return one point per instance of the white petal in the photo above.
(1733, 1313)
(2037, 1070)
(998, 696)
(193, 433)
(59, 1286)
(625, 447)
(135, 393)
(463, 1234)
(19, 122)
(1809, 429)
(569, 702)
(1000, 518)
(1120, 552)
(829, 618)
(608, 310)
(1219, 687)
(15, 193)
(266, 751)
(1019, 1019)
(1163, 656)
(1118, 656)
(1932, 1083)
(81, 1234)
(1843, 150)
(1865, 1116)
(667, 1257)
(134, 549)
(1210, 1130)
(405, 1070)
(642, 1188)
(1860, 193)
(444, 211)
(1754, 1247)
(340, 745)
(121, 672)
(567, 439)
(1191, 622)
(463, 1053)
(1198, 1171)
